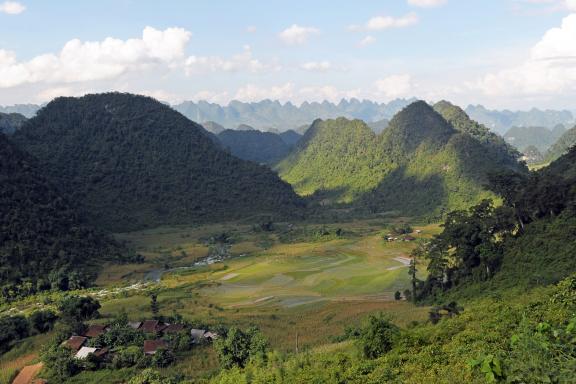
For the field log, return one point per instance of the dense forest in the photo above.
(562, 145)
(44, 242)
(132, 162)
(10, 122)
(420, 164)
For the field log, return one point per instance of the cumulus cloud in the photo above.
(317, 66)
(87, 61)
(367, 41)
(379, 23)
(12, 7)
(297, 35)
(244, 61)
(427, 3)
(394, 86)
(549, 69)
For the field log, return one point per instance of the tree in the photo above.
(150, 376)
(12, 328)
(79, 308)
(162, 358)
(42, 321)
(154, 307)
(59, 362)
(238, 347)
(397, 295)
(377, 336)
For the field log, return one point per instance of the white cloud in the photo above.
(251, 92)
(427, 3)
(244, 61)
(571, 5)
(12, 7)
(394, 86)
(87, 61)
(367, 41)
(296, 34)
(317, 66)
(550, 68)
(379, 23)
(51, 93)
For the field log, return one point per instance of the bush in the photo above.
(377, 336)
(238, 347)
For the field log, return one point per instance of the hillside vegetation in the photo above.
(132, 162)
(561, 146)
(420, 164)
(44, 243)
(10, 122)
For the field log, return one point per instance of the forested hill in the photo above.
(562, 145)
(43, 241)
(256, 146)
(10, 122)
(133, 162)
(420, 164)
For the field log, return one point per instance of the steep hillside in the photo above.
(379, 126)
(134, 162)
(256, 146)
(420, 164)
(10, 122)
(43, 240)
(562, 145)
(540, 137)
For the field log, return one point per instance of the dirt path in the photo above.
(27, 374)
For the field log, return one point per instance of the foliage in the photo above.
(562, 145)
(377, 336)
(79, 308)
(42, 321)
(44, 242)
(10, 122)
(132, 162)
(59, 363)
(150, 376)
(12, 329)
(238, 347)
(419, 165)
(130, 356)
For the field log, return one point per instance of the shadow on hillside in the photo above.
(407, 194)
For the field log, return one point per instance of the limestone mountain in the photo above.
(133, 162)
(562, 145)
(420, 164)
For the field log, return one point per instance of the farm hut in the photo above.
(84, 352)
(197, 335)
(151, 346)
(75, 342)
(95, 330)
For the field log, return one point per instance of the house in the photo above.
(75, 342)
(84, 352)
(95, 330)
(149, 326)
(151, 346)
(210, 336)
(173, 328)
(197, 335)
(135, 324)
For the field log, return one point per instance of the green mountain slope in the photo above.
(290, 137)
(43, 240)
(420, 164)
(256, 146)
(133, 162)
(562, 145)
(10, 122)
(540, 137)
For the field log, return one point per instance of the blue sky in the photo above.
(502, 53)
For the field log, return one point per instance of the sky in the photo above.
(515, 54)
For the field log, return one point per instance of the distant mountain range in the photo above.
(501, 121)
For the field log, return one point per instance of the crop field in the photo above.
(310, 286)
